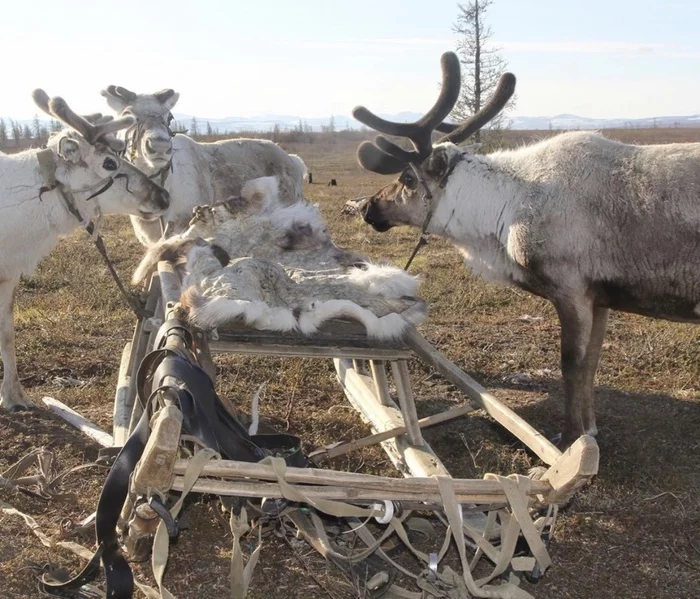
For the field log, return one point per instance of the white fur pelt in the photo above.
(261, 294)
(276, 267)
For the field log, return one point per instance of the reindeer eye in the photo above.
(408, 179)
(110, 164)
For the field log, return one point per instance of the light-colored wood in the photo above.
(170, 287)
(399, 369)
(78, 421)
(122, 405)
(381, 382)
(338, 450)
(306, 351)
(232, 469)
(572, 470)
(409, 459)
(272, 490)
(154, 471)
(535, 440)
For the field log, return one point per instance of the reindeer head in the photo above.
(424, 171)
(87, 159)
(150, 141)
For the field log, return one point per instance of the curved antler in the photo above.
(421, 130)
(385, 157)
(504, 92)
(93, 128)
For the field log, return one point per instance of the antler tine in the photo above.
(373, 159)
(389, 147)
(420, 131)
(504, 92)
(449, 92)
(446, 127)
(41, 99)
(60, 109)
(122, 92)
(113, 125)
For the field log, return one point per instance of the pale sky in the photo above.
(313, 58)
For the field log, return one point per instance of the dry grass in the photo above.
(634, 532)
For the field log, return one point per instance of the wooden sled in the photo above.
(394, 423)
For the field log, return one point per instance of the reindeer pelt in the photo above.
(286, 273)
(261, 294)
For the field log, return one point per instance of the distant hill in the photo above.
(289, 122)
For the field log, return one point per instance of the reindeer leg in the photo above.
(600, 322)
(12, 396)
(576, 318)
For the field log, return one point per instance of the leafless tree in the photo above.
(482, 63)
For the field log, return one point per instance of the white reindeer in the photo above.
(585, 222)
(302, 165)
(194, 173)
(42, 194)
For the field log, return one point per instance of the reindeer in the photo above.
(588, 223)
(194, 173)
(48, 193)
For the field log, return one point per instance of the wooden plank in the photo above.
(572, 470)
(155, 468)
(409, 459)
(233, 469)
(381, 382)
(122, 404)
(399, 368)
(78, 421)
(535, 440)
(272, 490)
(330, 453)
(252, 347)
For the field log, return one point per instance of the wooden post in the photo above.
(399, 368)
(535, 440)
(78, 421)
(335, 451)
(572, 470)
(122, 403)
(381, 382)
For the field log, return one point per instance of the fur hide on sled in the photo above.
(255, 262)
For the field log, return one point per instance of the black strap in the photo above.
(120, 581)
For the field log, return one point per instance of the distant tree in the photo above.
(54, 126)
(210, 131)
(36, 127)
(193, 127)
(482, 64)
(16, 129)
(26, 132)
(331, 125)
(276, 132)
(3, 133)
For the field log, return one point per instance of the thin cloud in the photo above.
(594, 47)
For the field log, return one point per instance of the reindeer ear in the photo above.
(437, 163)
(69, 150)
(167, 97)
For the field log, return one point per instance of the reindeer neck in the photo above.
(477, 201)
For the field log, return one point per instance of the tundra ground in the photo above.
(633, 533)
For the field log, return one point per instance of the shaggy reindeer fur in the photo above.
(588, 223)
(196, 174)
(32, 219)
(304, 171)
(286, 274)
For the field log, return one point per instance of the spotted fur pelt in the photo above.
(253, 261)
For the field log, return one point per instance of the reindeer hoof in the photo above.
(19, 405)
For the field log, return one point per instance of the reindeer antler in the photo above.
(93, 128)
(385, 157)
(504, 92)
(389, 157)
